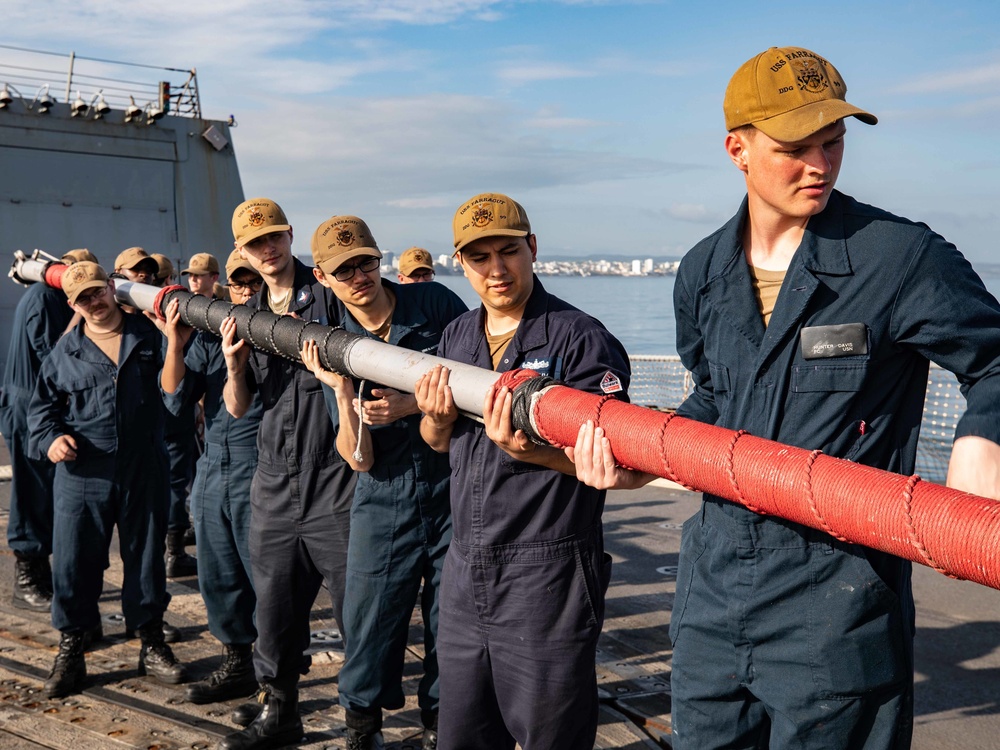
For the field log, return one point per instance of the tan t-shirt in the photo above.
(498, 345)
(281, 305)
(766, 285)
(110, 343)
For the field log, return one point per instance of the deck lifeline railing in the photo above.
(28, 72)
(663, 383)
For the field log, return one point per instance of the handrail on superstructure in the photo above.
(178, 97)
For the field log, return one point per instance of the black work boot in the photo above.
(234, 677)
(69, 670)
(179, 563)
(32, 582)
(156, 658)
(170, 633)
(92, 636)
(430, 721)
(364, 730)
(277, 725)
(246, 712)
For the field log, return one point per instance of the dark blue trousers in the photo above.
(297, 542)
(183, 452)
(517, 644)
(29, 528)
(786, 638)
(399, 538)
(220, 505)
(92, 496)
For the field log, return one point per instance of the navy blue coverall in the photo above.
(400, 528)
(40, 318)
(783, 636)
(522, 598)
(300, 497)
(182, 450)
(220, 497)
(119, 475)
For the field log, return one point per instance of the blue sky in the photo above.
(604, 119)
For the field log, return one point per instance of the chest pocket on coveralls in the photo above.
(829, 393)
(82, 398)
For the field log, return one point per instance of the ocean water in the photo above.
(637, 309)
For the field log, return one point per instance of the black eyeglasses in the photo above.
(253, 286)
(346, 273)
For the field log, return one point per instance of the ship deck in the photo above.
(958, 658)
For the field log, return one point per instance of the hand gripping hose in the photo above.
(953, 532)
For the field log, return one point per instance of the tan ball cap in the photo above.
(131, 258)
(489, 215)
(165, 269)
(200, 264)
(414, 258)
(236, 262)
(75, 256)
(81, 276)
(788, 93)
(255, 218)
(341, 238)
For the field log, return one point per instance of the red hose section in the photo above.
(513, 378)
(53, 275)
(158, 300)
(953, 532)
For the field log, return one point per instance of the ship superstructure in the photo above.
(107, 155)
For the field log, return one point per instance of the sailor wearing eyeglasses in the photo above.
(400, 519)
(220, 497)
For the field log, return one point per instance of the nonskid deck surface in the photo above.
(957, 658)
(119, 709)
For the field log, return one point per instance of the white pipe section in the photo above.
(401, 368)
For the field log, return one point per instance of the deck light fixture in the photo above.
(101, 108)
(43, 100)
(132, 111)
(78, 107)
(5, 97)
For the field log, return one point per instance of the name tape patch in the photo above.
(844, 340)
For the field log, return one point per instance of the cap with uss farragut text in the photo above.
(489, 215)
(81, 276)
(788, 93)
(132, 257)
(414, 258)
(341, 238)
(255, 218)
(75, 256)
(200, 264)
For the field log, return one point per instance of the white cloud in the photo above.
(420, 203)
(695, 213)
(982, 78)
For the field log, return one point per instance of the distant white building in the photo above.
(636, 267)
(647, 265)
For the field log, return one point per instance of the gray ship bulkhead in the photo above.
(107, 185)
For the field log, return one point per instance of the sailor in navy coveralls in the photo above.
(401, 519)
(97, 414)
(40, 319)
(522, 602)
(302, 489)
(220, 497)
(810, 319)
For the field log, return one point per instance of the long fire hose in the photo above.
(955, 533)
